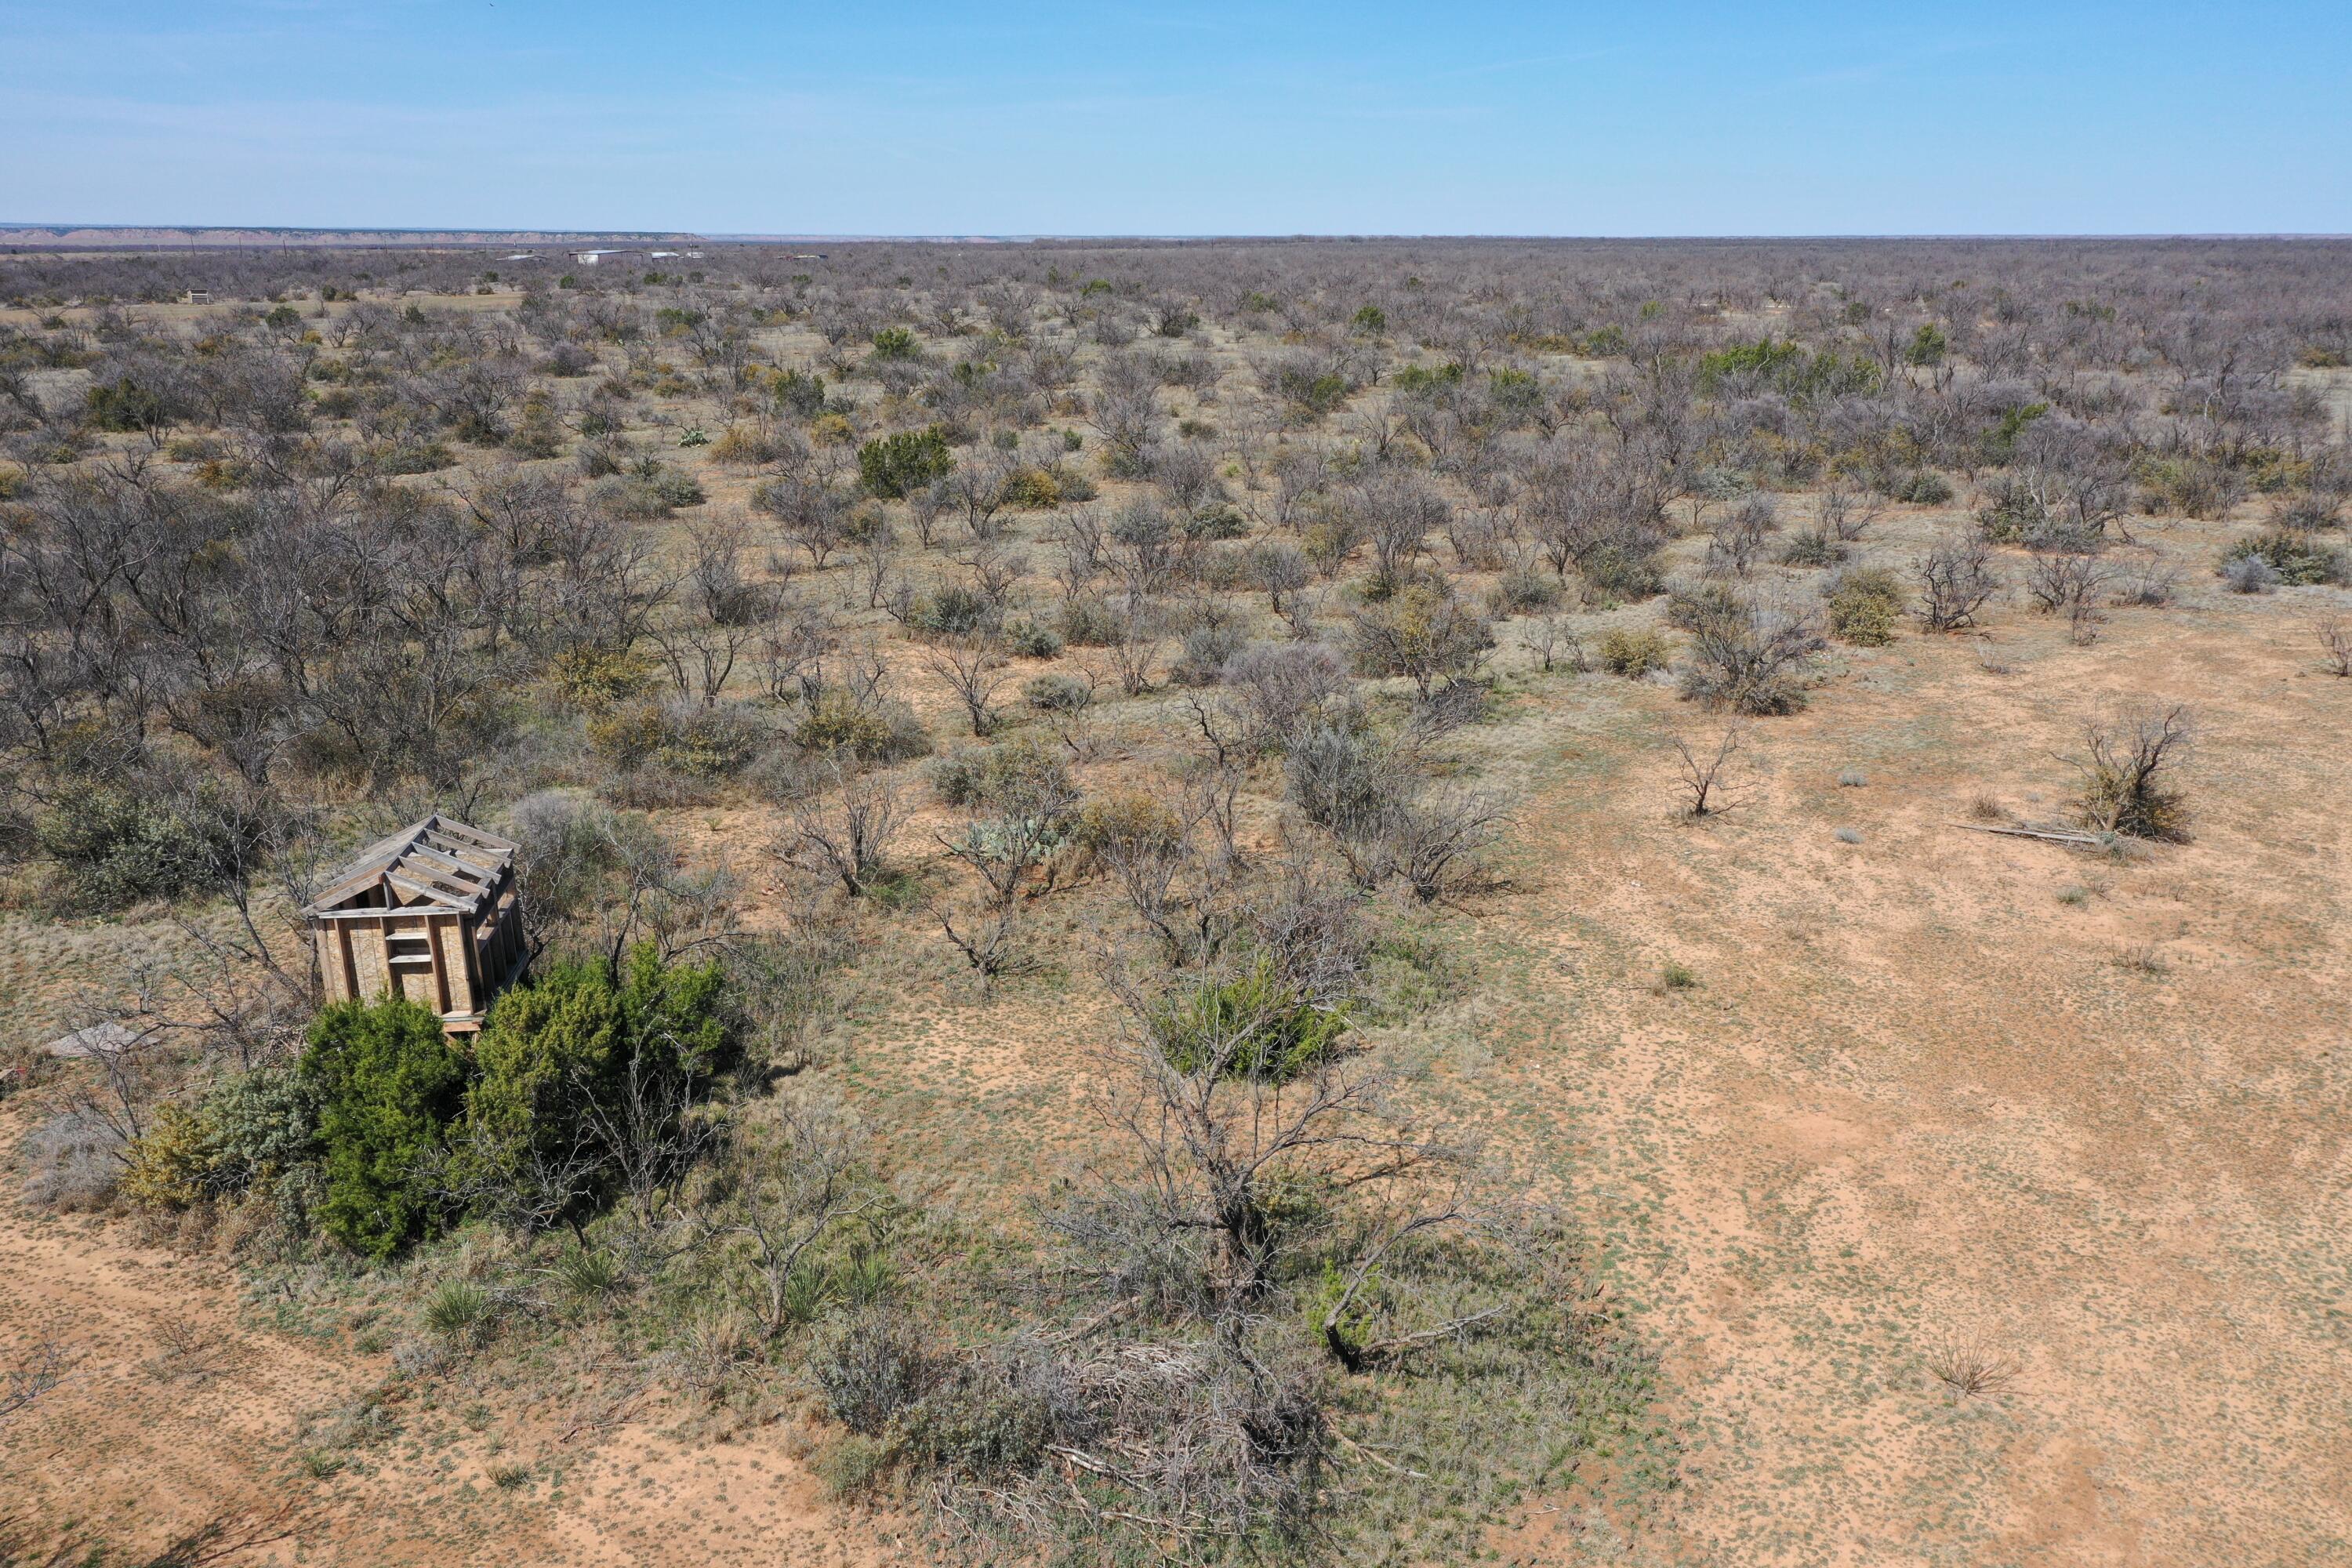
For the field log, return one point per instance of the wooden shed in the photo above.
(430, 913)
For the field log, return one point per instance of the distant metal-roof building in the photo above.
(430, 913)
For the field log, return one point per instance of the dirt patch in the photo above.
(198, 1416)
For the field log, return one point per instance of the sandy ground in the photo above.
(187, 1407)
(1918, 1097)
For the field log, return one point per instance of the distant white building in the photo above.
(590, 257)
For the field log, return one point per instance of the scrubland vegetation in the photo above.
(1108, 634)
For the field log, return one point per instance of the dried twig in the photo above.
(1386, 1464)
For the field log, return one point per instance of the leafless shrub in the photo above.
(2071, 583)
(2148, 582)
(42, 1368)
(1278, 687)
(983, 931)
(72, 1160)
(185, 1347)
(1847, 513)
(1551, 635)
(1706, 792)
(1737, 542)
(2333, 635)
(845, 832)
(2125, 762)
(1751, 658)
(800, 1178)
(974, 671)
(1134, 649)
(1398, 513)
(1957, 580)
(1435, 841)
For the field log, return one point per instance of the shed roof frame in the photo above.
(451, 865)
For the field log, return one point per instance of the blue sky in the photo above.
(729, 116)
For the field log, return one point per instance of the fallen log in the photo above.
(2070, 835)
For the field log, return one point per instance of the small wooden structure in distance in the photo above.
(430, 913)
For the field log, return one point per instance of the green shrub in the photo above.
(1515, 392)
(1253, 1026)
(1523, 593)
(875, 1366)
(124, 405)
(1057, 694)
(837, 721)
(118, 848)
(1205, 651)
(1425, 381)
(1621, 573)
(258, 1126)
(413, 457)
(1422, 632)
(1789, 368)
(892, 465)
(2001, 441)
(678, 489)
(1693, 608)
(977, 1427)
(1031, 640)
(686, 738)
(1217, 520)
(953, 611)
(895, 343)
(1864, 605)
(589, 1274)
(2299, 558)
(631, 498)
(1812, 547)
(580, 1050)
(852, 1466)
(388, 1084)
(2187, 486)
(1088, 623)
(797, 393)
(1017, 776)
(1635, 651)
(166, 1167)
(1033, 489)
(1129, 825)
(1919, 487)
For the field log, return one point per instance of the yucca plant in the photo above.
(460, 1312)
